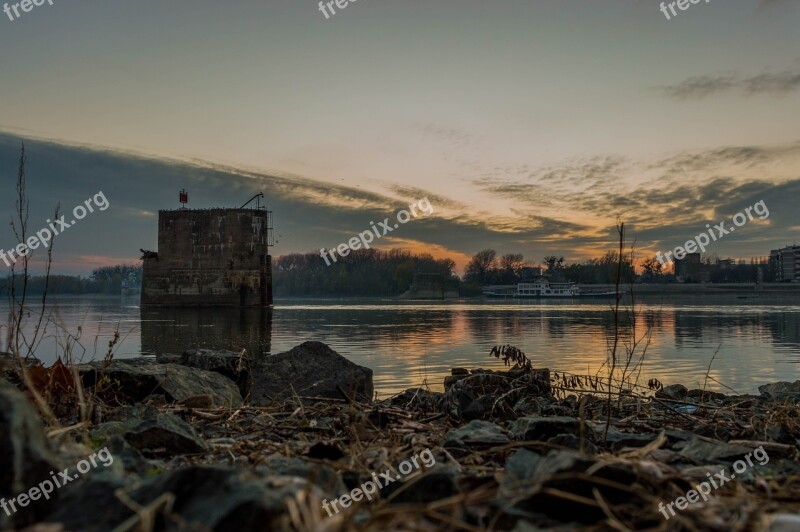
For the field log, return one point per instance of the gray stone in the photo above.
(703, 451)
(704, 396)
(784, 523)
(165, 434)
(570, 441)
(130, 458)
(131, 414)
(203, 498)
(168, 358)
(476, 432)
(199, 401)
(480, 408)
(90, 505)
(233, 365)
(25, 455)
(529, 406)
(418, 399)
(617, 440)
(520, 467)
(136, 379)
(324, 477)
(105, 431)
(567, 472)
(713, 430)
(311, 369)
(557, 411)
(673, 391)
(433, 485)
(780, 390)
(538, 428)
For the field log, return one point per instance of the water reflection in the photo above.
(410, 342)
(174, 330)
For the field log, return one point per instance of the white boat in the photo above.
(542, 288)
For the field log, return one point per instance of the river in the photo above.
(412, 343)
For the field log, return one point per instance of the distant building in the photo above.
(785, 263)
(210, 257)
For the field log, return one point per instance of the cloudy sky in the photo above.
(530, 125)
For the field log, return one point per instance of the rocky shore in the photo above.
(208, 440)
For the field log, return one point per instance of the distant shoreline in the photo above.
(703, 288)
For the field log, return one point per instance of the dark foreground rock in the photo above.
(133, 380)
(25, 455)
(311, 369)
(192, 498)
(539, 428)
(165, 434)
(233, 365)
(533, 485)
(476, 433)
(530, 458)
(782, 390)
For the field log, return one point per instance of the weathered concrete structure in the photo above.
(210, 257)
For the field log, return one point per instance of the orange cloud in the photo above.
(436, 250)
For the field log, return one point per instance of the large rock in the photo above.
(165, 434)
(418, 399)
(433, 485)
(190, 498)
(311, 369)
(538, 428)
(618, 440)
(135, 379)
(25, 456)
(703, 451)
(487, 394)
(781, 390)
(476, 433)
(322, 476)
(677, 392)
(536, 483)
(233, 365)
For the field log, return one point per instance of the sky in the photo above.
(531, 126)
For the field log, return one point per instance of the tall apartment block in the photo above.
(785, 262)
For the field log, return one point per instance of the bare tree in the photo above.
(511, 264)
(482, 267)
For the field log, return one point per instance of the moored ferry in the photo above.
(541, 288)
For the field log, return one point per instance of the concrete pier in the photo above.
(210, 257)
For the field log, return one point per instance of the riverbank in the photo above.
(789, 291)
(701, 289)
(511, 450)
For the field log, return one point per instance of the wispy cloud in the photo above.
(774, 83)
(568, 208)
(455, 137)
(662, 200)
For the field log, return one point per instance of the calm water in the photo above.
(406, 343)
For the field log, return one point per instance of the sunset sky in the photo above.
(530, 125)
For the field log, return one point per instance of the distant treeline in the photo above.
(487, 268)
(105, 280)
(365, 272)
(388, 273)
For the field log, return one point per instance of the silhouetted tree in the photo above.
(482, 269)
(511, 265)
